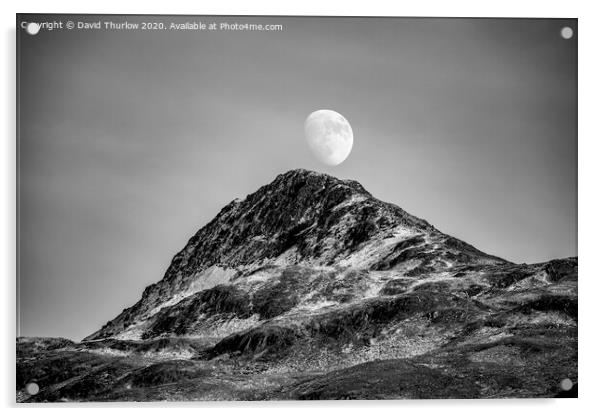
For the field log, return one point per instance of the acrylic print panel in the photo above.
(269, 208)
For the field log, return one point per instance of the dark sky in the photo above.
(130, 141)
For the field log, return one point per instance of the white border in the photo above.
(590, 94)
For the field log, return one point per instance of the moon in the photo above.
(329, 136)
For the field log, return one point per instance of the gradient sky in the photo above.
(130, 141)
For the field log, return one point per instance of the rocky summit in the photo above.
(311, 288)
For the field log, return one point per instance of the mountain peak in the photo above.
(301, 172)
(309, 219)
(298, 178)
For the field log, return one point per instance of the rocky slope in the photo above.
(304, 221)
(311, 288)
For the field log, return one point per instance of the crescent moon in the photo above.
(329, 136)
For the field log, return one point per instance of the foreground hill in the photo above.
(310, 288)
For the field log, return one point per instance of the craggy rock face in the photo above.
(310, 288)
(303, 217)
